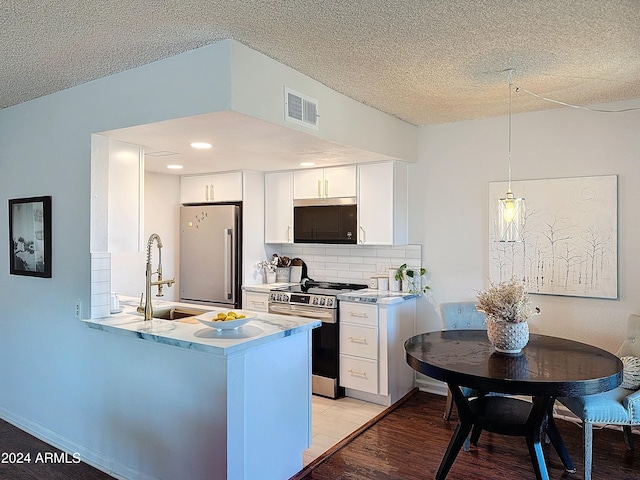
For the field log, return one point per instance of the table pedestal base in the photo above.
(506, 416)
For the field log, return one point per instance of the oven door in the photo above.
(325, 341)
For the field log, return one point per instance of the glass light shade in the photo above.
(509, 218)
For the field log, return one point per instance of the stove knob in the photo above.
(315, 301)
(285, 297)
(322, 301)
(329, 302)
(279, 297)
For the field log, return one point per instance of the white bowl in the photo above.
(209, 319)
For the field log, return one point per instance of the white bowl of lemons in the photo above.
(225, 319)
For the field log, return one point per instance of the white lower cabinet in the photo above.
(258, 302)
(372, 357)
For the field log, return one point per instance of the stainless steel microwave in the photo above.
(332, 220)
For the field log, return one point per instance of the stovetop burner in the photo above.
(322, 288)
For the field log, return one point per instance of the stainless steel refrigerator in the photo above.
(209, 254)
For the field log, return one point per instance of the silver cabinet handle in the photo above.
(363, 341)
(213, 196)
(319, 189)
(206, 193)
(361, 235)
(326, 188)
(357, 373)
(358, 314)
(289, 233)
(258, 304)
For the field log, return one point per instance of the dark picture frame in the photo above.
(30, 236)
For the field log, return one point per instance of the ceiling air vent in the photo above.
(300, 109)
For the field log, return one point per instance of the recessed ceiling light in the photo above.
(201, 145)
(174, 167)
(307, 164)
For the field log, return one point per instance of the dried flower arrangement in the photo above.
(507, 301)
(268, 266)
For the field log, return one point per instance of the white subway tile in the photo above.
(362, 268)
(356, 260)
(385, 252)
(101, 288)
(337, 266)
(314, 250)
(325, 273)
(325, 258)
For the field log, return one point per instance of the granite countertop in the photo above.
(380, 297)
(190, 334)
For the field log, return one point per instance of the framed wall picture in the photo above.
(30, 236)
(570, 237)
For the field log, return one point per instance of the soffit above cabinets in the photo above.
(239, 142)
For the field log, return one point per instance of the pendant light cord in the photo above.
(632, 109)
(509, 143)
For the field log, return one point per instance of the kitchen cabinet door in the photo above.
(340, 181)
(330, 182)
(226, 187)
(258, 302)
(382, 204)
(125, 197)
(308, 183)
(221, 187)
(278, 222)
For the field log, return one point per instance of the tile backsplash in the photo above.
(100, 285)
(352, 263)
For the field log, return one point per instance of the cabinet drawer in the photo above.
(256, 301)
(359, 341)
(359, 374)
(359, 313)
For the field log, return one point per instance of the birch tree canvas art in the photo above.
(570, 237)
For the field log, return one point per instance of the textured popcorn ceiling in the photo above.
(426, 62)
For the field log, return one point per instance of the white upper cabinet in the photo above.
(126, 197)
(220, 187)
(278, 194)
(383, 204)
(325, 182)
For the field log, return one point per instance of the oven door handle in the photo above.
(325, 316)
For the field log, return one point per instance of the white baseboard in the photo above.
(87, 455)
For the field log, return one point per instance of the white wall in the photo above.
(449, 207)
(258, 90)
(61, 381)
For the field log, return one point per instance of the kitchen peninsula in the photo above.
(244, 411)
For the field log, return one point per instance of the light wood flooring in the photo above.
(333, 420)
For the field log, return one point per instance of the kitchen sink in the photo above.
(176, 313)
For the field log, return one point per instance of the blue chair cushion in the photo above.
(612, 407)
(462, 316)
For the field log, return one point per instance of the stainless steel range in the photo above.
(317, 300)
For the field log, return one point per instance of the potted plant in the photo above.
(508, 310)
(411, 279)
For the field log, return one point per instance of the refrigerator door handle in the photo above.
(228, 262)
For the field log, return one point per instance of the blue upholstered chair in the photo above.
(619, 406)
(461, 316)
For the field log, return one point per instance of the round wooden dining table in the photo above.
(548, 367)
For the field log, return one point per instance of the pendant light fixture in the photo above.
(510, 210)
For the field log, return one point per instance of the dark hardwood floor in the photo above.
(409, 442)
(24, 457)
(406, 444)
